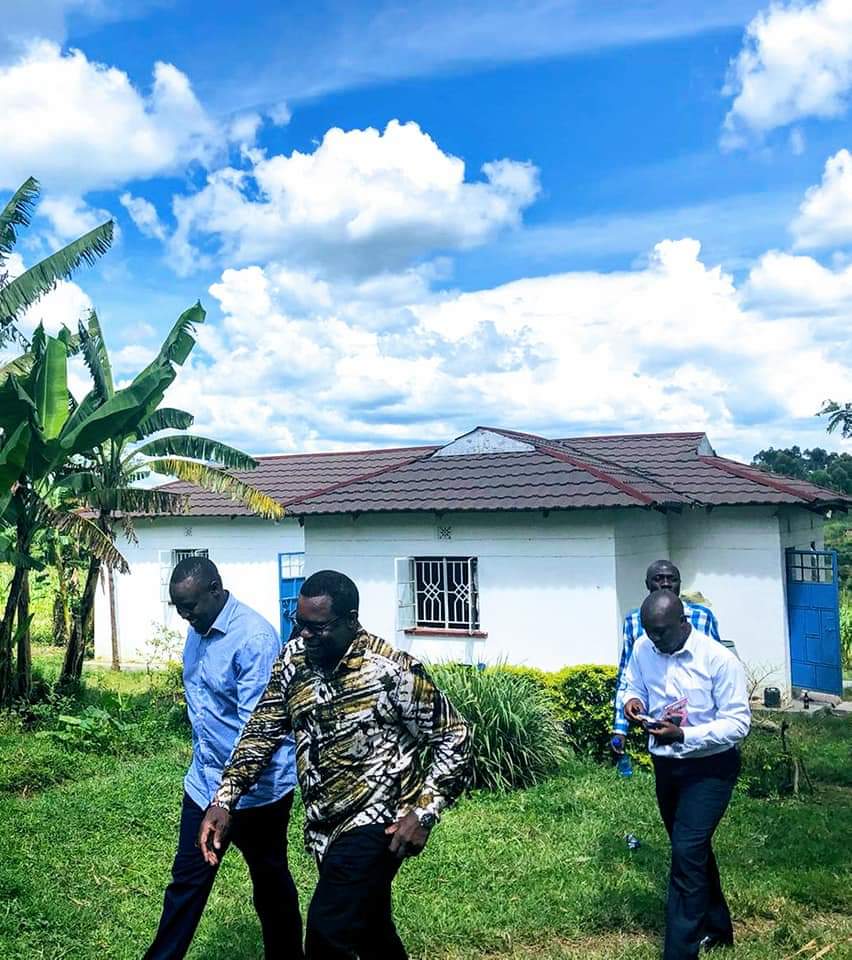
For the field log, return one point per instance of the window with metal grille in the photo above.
(446, 592)
(178, 555)
(169, 559)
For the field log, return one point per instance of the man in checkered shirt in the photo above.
(661, 575)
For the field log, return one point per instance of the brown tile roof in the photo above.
(662, 470)
(287, 477)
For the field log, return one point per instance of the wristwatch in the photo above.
(221, 804)
(426, 820)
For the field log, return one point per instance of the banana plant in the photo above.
(136, 447)
(20, 293)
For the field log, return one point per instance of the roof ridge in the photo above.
(344, 453)
(748, 473)
(645, 475)
(332, 488)
(581, 460)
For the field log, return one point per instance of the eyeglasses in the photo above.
(315, 629)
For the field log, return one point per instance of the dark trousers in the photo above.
(260, 834)
(693, 795)
(350, 913)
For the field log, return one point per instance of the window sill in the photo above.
(441, 632)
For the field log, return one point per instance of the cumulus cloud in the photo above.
(82, 125)
(796, 62)
(362, 202)
(825, 215)
(673, 345)
(144, 214)
(69, 218)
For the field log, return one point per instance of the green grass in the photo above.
(541, 873)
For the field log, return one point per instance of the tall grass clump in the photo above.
(517, 740)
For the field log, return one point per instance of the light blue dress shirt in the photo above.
(224, 673)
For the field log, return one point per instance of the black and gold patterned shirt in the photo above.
(361, 734)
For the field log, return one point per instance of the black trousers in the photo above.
(260, 834)
(350, 913)
(693, 795)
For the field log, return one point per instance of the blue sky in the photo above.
(406, 219)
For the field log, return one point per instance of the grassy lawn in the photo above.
(539, 873)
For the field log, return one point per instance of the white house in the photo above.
(503, 545)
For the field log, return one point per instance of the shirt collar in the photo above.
(223, 622)
(354, 656)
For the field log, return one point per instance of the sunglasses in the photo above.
(315, 629)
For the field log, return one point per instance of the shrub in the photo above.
(767, 765)
(517, 740)
(584, 697)
(846, 631)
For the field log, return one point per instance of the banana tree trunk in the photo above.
(24, 677)
(113, 624)
(61, 600)
(7, 632)
(72, 665)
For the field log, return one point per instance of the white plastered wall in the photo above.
(733, 556)
(546, 583)
(244, 548)
(641, 537)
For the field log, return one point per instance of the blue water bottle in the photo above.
(624, 766)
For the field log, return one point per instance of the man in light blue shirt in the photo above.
(227, 661)
(690, 694)
(660, 575)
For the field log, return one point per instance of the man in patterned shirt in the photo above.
(660, 575)
(363, 715)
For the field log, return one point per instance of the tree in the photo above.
(20, 293)
(108, 481)
(822, 467)
(40, 443)
(839, 417)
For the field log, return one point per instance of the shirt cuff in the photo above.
(226, 796)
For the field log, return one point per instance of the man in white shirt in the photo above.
(695, 689)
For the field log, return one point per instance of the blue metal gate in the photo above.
(291, 568)
(814, 616)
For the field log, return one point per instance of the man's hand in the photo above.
(633, 708)
(212, 833)
(408, 838)
(665, 733)
(616, 742)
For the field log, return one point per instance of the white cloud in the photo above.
(144, 214)
(69, 218)
(280, 114)
(299, 363)
(796, 62)
(363, 201)
(800, 285)
(825, 215)
(243, 128)
(81, 125)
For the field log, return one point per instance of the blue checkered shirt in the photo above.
(701, 618)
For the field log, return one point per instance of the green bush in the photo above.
(767, 765)
(517, 740)
(584, 697)
(846, 631)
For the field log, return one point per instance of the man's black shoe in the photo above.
(715, 943)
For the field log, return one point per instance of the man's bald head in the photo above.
(196, 591)
(662, 575)
(664, 621)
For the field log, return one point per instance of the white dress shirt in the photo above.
(709, 676)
